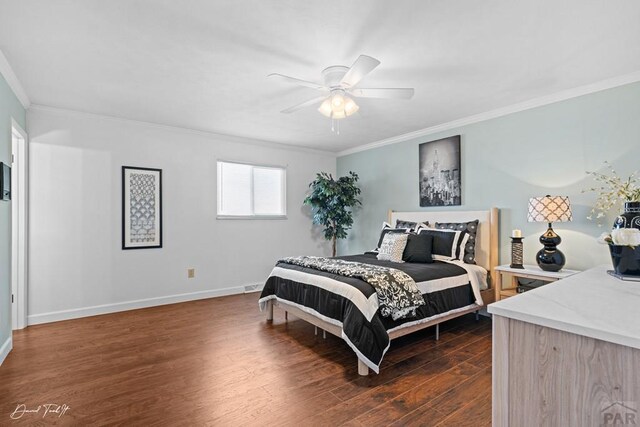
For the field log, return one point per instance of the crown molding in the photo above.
(13, 82)
(515, 108)
(177, 129)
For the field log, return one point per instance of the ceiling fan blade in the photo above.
(304, 104)
(363, 66)
(387, 93)
(293, 80)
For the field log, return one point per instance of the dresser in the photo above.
(568, 354)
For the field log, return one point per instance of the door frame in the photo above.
(19, 224)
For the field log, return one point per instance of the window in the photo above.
(251, 191)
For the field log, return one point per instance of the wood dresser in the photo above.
(568, 354)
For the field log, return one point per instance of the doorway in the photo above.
(19, 225)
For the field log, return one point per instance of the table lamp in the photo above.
(550, 209)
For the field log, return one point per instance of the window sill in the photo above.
(270, 217)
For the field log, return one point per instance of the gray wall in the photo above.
(10, 107)
(545, 150)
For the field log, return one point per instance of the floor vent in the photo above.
(252, 288)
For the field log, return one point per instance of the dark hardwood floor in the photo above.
(218, 362)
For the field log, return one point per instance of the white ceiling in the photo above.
(202, 64)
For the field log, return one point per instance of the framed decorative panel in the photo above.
(141, 208)
(440, 173)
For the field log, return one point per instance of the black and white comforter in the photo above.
(397, 293)
(353, 305)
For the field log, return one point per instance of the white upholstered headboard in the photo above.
(486, 239)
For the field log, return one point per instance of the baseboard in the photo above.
(5, 349)
(56, 316)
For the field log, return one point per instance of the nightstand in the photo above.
(528, 272)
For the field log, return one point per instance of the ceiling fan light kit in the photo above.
(339, 83)
(338, 106)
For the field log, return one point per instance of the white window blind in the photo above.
(251, 191)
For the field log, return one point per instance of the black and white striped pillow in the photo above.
(466, 250)
(445, 244)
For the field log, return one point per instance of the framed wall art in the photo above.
(141, 208)
(440, 173)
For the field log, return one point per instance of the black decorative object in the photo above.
(550, 209)
(141, 208)
(440, 172)
(630, 218)
(626, 260)
(550, 258)
(517, 252)
(5, 182)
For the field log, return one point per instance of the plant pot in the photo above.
(626, 259)
(630, 218)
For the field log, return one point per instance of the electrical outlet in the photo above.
(191, 273)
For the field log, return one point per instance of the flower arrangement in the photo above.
(612, 190)
(621, 237)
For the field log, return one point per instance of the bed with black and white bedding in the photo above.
(369, 300)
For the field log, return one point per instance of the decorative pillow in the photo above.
(410, 225)
(418, 248)
(392, 247)
(386, 228)
(445, 242)
(467, 244)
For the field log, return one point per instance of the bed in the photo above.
(348, 307)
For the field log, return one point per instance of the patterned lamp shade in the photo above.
(549, 209)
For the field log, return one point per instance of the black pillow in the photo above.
(418, 248)
(386, 230)
(443, 241)
(469, 230)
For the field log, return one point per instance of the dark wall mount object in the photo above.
(5, 182)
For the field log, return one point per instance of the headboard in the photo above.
(486, 239)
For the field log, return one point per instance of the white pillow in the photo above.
(392, 247)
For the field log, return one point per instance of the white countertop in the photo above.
(534, 269)
(591, 303)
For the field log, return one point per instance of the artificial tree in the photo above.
(332, 202)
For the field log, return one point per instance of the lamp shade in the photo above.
(549, 209)
(350, 106)
(325, 107)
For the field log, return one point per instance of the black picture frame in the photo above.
(440, 173)
(5, 181)
(145, 232)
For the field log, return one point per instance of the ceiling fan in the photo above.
(339, 87)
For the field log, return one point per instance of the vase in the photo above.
(626, 260)
(630, 218)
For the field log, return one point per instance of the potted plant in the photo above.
(624, 244)
(612, 191)
(331, 203)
